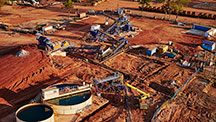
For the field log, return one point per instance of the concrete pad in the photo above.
(58, 53)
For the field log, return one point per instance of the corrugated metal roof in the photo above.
(202, 28)
(206, 47)
(208, 42)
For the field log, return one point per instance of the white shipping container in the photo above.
(95, 27)
(47, 28)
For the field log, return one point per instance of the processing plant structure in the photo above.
(91, 63)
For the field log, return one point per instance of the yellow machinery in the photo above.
(118, 80)
(143, 96)
(163, 49)
(49, 46)
(60, 44)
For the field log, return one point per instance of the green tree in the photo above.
(177, 6)
(69, 4)
(173, 5)
(145, 2)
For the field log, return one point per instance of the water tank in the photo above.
(35, 112)
(71, 104)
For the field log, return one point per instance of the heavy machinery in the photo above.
(119, 26)
(37, 3)
(34, 3)
(87, 49)
(119, 11)
(115, 83)
(111, 83)
(117, 44)
(101, 54)
(46, 28)
(143, 96)
(50, 47)
(113, 51)
(97, 34)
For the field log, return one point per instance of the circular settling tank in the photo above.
(71, 104)
(71, 99)
(35, 112)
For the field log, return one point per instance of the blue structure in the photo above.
(119, 11)
(202, 28)
(150, 52)
(171, 55)
(120, 25)
(49, 46)
(208, 45)
(43, 40)
(94, 33)
(203, 31)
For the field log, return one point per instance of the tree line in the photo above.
(168, 5)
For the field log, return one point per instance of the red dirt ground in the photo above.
(190, 105)
(22, 78)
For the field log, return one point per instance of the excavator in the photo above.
(117, 80)
(116, 83)
(143, 96)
